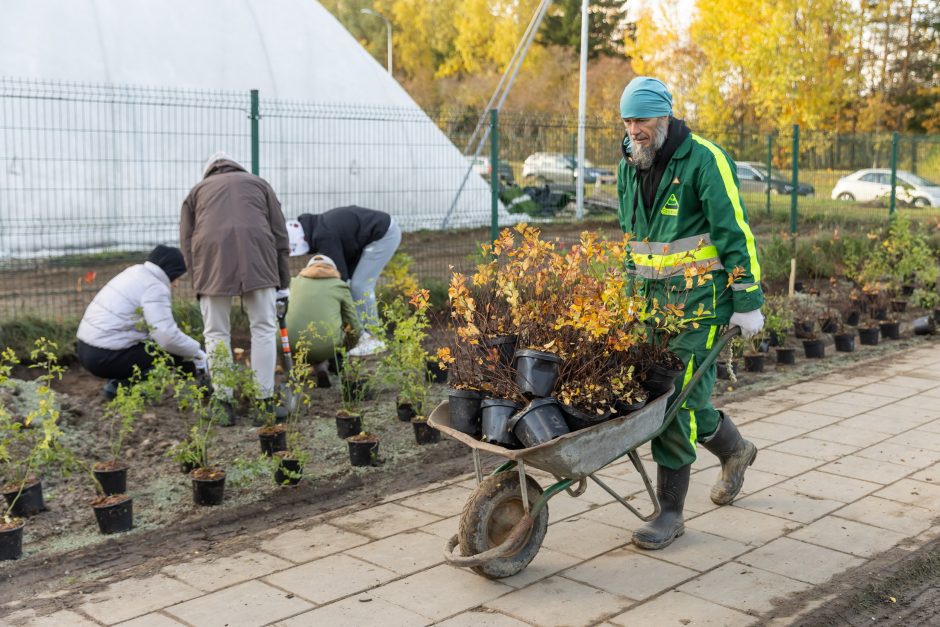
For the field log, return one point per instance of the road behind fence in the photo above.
(93, 176)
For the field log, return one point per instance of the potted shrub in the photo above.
(208, 480)
(290, 461)
(806, 309)
(778, 322)
(404, 365)
(844, 339)
(753, 357)
(355, 382)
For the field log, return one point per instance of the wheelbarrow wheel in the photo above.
(489, 515)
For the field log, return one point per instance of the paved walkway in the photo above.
(849, 467)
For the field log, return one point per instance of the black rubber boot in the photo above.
(735, 454)
(671, 488)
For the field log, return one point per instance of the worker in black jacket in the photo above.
(361, 242)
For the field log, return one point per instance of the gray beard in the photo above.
(643, 156)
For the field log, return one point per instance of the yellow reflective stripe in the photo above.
(752, 288)
(732, 190)
(711, 338)
(675, 259)
(693, 427)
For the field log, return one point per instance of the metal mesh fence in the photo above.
(93, 177)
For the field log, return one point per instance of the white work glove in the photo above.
(281, 298)
(751, 322)
(200, 361)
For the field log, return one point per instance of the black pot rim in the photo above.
(127, 497)
(19, 523)
(815, 342)
(460, 393)
(497, 340)
(847, 335)
(123, 467)
(784, 349)
(537, 354)
(533, 404)
(498, 402)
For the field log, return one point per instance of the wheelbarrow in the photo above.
(506, 517)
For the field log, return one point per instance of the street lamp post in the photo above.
(388, 29)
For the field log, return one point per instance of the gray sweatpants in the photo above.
(374, 258)
(262, 318)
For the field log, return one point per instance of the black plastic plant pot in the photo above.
(722, 370)
(425, 433)
(907, 289)
(115, 513)
(113, 480)
(536, 372)
(436, 374)
(30, 501)
(288, 471)
(879, 314)
(754, 363)
(802, 330)
(11, 541)
(786, 356)
(347, 426)
(774, 339)
(814, 349)
(829, 325)
(496, 413)
(898, 305)
(925, 325)
(272, 439)
(659, 379)
(869, 336)
(890, 330)
(208, 486)
(845, 342)
(936, 315)
(406, 412)
(852, 318)
(577, 419)
(363, 452)
(464, 409)
(623, 408)
(505, 346)
(798, 286)
(538, 422)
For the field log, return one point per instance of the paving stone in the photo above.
(563, 506)
(698, 550)
(860, 399)
(64, 618)
(558, 602)
(445, 502)
(879, 424)
(211, 574)
(584, 538)
(917, 438)
(403, 553)
(931, 427)
(785, 464)
(149, 620)
(916, 383)
(929, 475)
(755, 407)
(817, 449)
(851, 379)
(900, 517)
(828, 486)
(847, 435)
(679, 609)
(888, 391)
(773, 432)
(743, 587)
(441, 591)
(913, 492)
(902, 454)
(777, 501)
(304, 545)
(330, 578)
(829, 408)
(754, 481)
(629, 574)
(133, 597)
(904, 415)
(363, 609)
(798, 560)
(818, 387)
(742, 525)
(246, 604)
(801, 419)
(443, 528)
(848, 536)
(703, 460)
(384, 521)
(866, 469)
(619, 516)
(546, 563)
(482, 617)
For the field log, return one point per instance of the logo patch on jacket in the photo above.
(671, 208)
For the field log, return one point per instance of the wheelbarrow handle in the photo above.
(716, 349)
(510, 546)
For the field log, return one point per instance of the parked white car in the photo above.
(872, 184)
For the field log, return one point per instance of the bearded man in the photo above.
(678, 195)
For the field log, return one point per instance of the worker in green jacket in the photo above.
(322, 314)
(679, 199)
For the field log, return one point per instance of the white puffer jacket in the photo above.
(113, 320)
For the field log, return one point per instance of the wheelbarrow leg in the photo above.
(522, 486)
(477, 466)
(649, 490)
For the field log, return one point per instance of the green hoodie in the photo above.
(321, 312)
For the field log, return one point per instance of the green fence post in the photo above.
(795, 177)
(255, 116)
(494, 174)
(913, 155)
(770, 157)
(894, 173)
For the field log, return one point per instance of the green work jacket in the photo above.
(321, 313)
(697, 218)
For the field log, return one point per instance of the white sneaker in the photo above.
(367, 345)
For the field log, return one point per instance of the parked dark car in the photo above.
(553, 167)
(752, 177)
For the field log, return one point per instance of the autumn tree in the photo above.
(562, 27)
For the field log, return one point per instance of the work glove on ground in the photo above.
(751, 322)
(281, 298)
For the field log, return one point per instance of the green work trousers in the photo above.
(697, 419)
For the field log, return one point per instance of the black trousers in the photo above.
(119, 364)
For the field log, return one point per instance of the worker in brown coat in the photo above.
(234, 240)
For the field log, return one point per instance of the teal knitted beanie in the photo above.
(645, 97)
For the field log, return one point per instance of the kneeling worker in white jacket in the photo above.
(132, 307)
